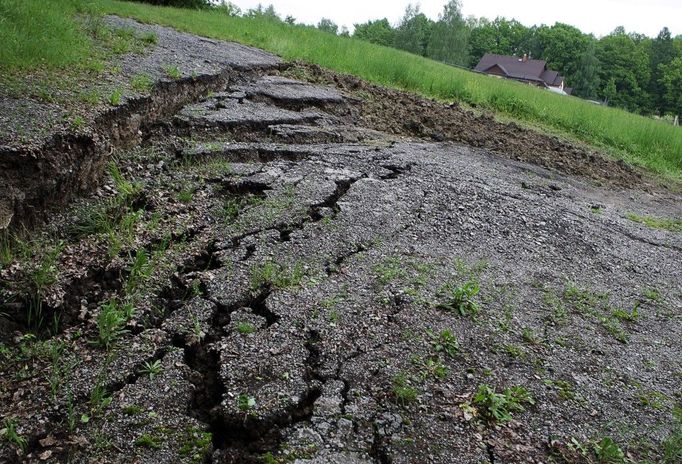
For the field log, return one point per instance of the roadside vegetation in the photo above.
(652, 144)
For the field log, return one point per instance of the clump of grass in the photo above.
(142, 83)
(196, 444)
(115, 97)
(147, 440)
(172, 71)
(669, 224)
(111, 321)
(276, 275)
(10, 434)
(403, 391)
(140, 270)
(389, 270)
(460, 299)
(150, 38)
(185, 195)
(499, 407)
(245, 328)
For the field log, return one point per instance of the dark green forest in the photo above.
(623, 69)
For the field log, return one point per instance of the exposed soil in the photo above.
(397, 112)
(296, 260)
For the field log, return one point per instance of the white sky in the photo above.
(596, 16)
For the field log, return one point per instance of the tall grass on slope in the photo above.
(639, 140)
(41, 34)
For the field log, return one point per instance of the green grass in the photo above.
(46, 36)
(35, 35)
(669, 224)
(643, 141)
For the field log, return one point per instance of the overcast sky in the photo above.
(596, 16)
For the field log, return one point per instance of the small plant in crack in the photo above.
(126, 189)
(152, 369)
(140, 271)
(245, 328)
(11, 435)
(231, 208)
(460, 299)
(652, 294)
(246, 403)
(629, 316)
(444, 342)
(111, 321)
(99, 400)
(132, 410)
(403, 390)
(499, 407)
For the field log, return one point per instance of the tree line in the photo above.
(624, 69)
(628, 70)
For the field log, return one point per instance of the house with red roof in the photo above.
(533, 72)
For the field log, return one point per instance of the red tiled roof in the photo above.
(516, 68)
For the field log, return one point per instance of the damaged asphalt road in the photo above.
(316, 290)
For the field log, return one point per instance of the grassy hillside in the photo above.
(642, 141)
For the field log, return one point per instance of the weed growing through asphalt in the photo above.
(629, 316)
(196, 444)
(652, 294)
(126, 189)
(499, 407)
(597, 305)
(389, 270)
(115, 97)
(460, 299)
(529, 336)
(403, 391)
(431, 367)
(150, 38)
(444, 342)
(245, 328)
(10, 434)
(276, 275)
(152, 369)
(245, 403)
(99, 398)
(142, 83)
(140, 270)
(111, 321)
(147, 440)
(132, 410)
(172, 71)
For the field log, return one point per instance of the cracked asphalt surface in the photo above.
(303, 272)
